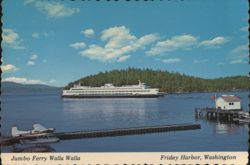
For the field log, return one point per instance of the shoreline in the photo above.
(241, 90)
(164, 93)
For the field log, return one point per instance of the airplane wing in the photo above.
(39, 128)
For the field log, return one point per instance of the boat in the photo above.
(111, 91)
(243, 117)
(243, 121)
(38, 130)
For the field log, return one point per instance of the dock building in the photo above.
(228, 102)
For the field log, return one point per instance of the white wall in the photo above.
(225, 105)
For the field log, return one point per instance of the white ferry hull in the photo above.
(113, 96)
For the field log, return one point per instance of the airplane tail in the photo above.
(15, 132)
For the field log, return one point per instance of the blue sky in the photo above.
(56, 42)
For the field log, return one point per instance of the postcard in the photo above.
(124, 82)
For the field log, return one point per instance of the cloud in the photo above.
(241, 59)
(22, 80)
(148, 39)
(35, 35)
(185, 41)
(45, 34)
(221, 63)
(123, 58)
(171, 60)
(88, 32)
(200, 61)
(96, 52)
(9, 67)
(30, 63)
(239, 54)
(78, 45)
(240, 49)
(244, 29)
(238, 61)
(52, 81)
(34, 57)
(11, 39)
(117, 33)
(119, 44)
(215, 42)
(53, 9)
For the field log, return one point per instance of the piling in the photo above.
(217, 114)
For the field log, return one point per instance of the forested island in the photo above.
(164, 80)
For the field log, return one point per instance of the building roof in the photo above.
(230, 98)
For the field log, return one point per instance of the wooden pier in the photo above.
(217, 114)
(111, 132)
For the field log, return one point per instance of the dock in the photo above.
(126, 131)
(218, 114)
(111, 132)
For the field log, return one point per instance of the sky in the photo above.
(55, 42)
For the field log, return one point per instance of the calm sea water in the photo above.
(50, 110)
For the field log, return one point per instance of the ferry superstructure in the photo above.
(111, 91)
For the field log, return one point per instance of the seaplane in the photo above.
(39, 135)
(38, 130)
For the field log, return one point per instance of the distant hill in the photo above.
(166, 81)
(7, 87)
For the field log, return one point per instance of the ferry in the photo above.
(111, 91)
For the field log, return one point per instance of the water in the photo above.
(50, 110)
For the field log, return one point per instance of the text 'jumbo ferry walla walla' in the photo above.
(111, 91)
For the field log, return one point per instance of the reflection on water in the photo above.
(109, 110)
(33, 148)
(108, 107)
(222, 128)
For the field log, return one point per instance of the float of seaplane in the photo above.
(50, 138)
